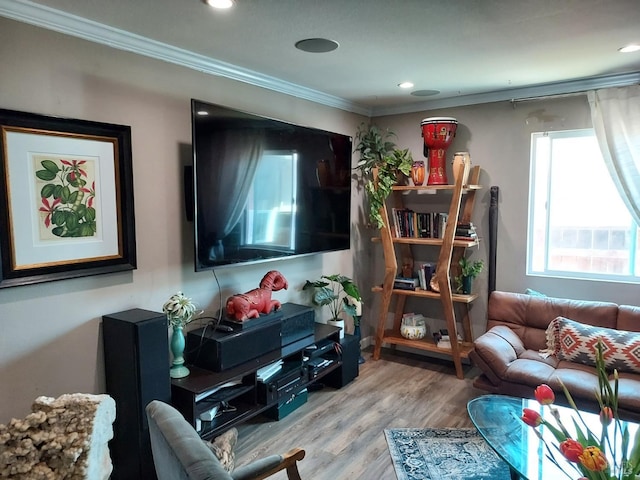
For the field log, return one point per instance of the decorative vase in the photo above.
(418, 171)
(466, 285)
(178, 370)
(358, 335)
(338, 323)
(461, 159)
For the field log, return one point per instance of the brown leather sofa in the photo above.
(508, 353)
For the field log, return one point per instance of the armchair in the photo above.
(180, 454)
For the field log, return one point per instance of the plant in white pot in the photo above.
(340, 294)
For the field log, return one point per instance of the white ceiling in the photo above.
(470, 50)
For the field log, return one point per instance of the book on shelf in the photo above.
(425, 273)
(439, 224)
(404, 283)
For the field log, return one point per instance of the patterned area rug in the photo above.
(443, 454)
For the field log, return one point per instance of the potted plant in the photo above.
(378, 151)
(340, 294)
(468, 271)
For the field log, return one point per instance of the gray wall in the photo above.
(50, 341)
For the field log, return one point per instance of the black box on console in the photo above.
(297, 322)
(218, 351)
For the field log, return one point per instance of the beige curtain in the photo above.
(615, 113)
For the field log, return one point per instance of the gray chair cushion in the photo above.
(178, 451)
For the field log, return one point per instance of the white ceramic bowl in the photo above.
(413, 332)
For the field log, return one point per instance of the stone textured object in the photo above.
(64, 438)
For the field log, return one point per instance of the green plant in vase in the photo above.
(468, 271)
(379, 152)
(340, 294)
(179, 310)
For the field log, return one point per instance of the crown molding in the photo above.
(516, 94)
(45, 17)
(73, 25)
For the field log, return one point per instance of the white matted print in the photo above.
(63, 199)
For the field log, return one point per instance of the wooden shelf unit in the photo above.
(451, 250)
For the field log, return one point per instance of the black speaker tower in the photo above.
(136, 357)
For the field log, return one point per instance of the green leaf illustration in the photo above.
(86, 230)
(71, 220)
(48, 190)
(58, 218)
(50, 166)
(66, 192)
(45, 175)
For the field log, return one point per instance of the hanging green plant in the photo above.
(378, 151)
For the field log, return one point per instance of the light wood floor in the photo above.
(342, 430)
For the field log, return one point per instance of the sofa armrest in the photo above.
(495, 350)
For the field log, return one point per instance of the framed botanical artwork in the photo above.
(66, 198)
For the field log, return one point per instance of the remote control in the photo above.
(224, 328)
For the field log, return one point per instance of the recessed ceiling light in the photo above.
(405, 85)
(219, 3)
(424, 93)
(317, 45)
(629, 48)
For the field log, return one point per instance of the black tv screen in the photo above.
(266, 189)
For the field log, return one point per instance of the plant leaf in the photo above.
(50, 166)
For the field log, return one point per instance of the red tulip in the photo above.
(544, 395)
(593, 459)
(531, 417)
(606, 415)
(571, 450)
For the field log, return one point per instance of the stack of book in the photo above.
(442, 338)
(268, 371)
(404, 283)
(466, 231)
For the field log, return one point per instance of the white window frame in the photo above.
(540, 181)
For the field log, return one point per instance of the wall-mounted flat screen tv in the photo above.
(265, 189)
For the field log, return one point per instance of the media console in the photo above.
(216, 401)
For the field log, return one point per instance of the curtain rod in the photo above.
(514, 101)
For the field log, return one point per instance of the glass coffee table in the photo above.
(497, 418)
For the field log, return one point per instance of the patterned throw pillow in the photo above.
(222, 447)
(576, 342)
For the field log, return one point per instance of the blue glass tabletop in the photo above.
(498, 419)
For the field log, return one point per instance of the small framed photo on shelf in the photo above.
(66, 198)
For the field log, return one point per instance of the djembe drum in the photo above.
(438, 133)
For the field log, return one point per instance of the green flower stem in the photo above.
(559, 434)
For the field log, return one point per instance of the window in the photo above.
(578, 225)
(270, 214)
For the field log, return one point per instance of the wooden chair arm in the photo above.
(288, 462)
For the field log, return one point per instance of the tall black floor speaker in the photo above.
(136, 357)
(349, 369)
